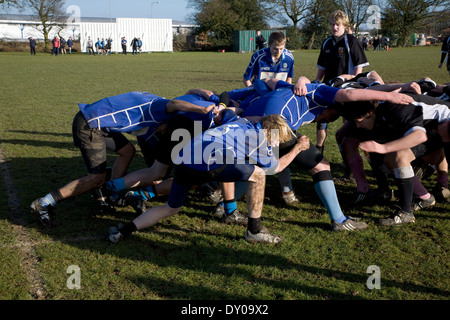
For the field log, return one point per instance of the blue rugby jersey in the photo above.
(297, 110)
(239, 95)
(237, 142)
(261, 66)
(127, 112)
(207, 120)
(135, 110)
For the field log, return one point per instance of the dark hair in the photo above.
(278, 38)
(357, 109)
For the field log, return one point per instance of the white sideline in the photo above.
(29, 259)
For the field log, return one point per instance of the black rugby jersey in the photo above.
(340, 56)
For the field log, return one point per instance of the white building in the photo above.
(156, 34)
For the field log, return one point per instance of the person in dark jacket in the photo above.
(134, 45)
(261, 42)
(32, 46)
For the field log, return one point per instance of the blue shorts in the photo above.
(322, 126)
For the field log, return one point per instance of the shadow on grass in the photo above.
(230, 263)
(195, 254)
(192, 257)
(39, 143)
(41, 133)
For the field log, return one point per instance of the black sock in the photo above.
(254, 225)
(56, 195)
(128, 229)
(405, 190)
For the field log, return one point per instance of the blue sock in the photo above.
(116, 185)
(229, 206)
(145, 194)
(327, 194)
(151, 191)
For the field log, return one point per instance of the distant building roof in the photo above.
(22, 17)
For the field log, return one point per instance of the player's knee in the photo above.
(172, 211)
(258, 176)
(127, 151)
(96, 180)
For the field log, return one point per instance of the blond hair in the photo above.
(340, 17)
(276, 127)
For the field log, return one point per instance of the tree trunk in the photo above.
(45, 32)
(311, 40)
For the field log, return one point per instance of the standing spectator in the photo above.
(386, 44)
(32, 46)
(444, 51)
(139, 45)
(90, 46)
(56, 44)
(124, 45)
(380, 43)
(97, 46)
(109, 42)
(261, 43)
(108, 46)
(365, 43)
(134, 45)
(375, 43)
(63, 45)
(70, 44)
(102, 46)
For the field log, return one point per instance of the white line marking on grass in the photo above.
(44, 242)
(29, 259)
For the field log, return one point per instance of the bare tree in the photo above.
(404, 17)
(317, 26)
(6, 4)
(295, 10)
(356, 11)
(50, 12)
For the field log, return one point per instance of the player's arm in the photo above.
(301, 145)
(412, 87)
(409, 141)
(368, 95)
(203, 92)
(357, 70)
(300, 86)
(443, 54)
(180, 105)
(247, 83)
(320, 74)
(250, 71)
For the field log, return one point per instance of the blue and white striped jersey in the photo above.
(237, 142)
(262, 66)
(127, 112)
(297, 110)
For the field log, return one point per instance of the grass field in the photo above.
(192, 255)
